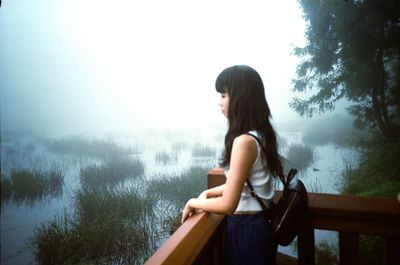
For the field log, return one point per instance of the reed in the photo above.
(178, 146)
(111, 172)
(6, 189)
(172, 192)
(82, 146)
(109, 226)
(179, 188)
(29, 187)
(166, 158)
(203, 151)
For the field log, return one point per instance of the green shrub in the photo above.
(378, 173)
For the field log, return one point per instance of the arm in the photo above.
(213, 192)
(244, 153)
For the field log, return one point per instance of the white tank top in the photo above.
(261, 181)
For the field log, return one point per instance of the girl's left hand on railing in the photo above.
(187, 211)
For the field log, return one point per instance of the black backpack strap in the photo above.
(255, 195)
(285, 181)
(252, 192)
(282, 178)
(259, 200)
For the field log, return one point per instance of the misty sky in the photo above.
(85, 64)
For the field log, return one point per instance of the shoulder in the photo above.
(245, 141)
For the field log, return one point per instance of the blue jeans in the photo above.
(248, 241)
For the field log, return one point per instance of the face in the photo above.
(224, 104)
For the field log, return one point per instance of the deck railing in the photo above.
(199, 240)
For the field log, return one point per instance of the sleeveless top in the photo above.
(261, 181)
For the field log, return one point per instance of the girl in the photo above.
(248, 240)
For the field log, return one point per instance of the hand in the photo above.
(187, 211)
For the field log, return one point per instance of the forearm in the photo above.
(214, 192)
(213, 205)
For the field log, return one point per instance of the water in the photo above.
(19, 221)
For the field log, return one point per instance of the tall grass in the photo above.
(109, 226)
(111, 172)
(29, 187)
(6, 189)
(178, 146)
(203, 151)
(179, 188)
(166, 158)
(174, 191)
(82, 146)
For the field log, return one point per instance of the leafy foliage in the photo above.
(378, 172)
(352, 52)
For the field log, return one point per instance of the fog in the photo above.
(116, 65)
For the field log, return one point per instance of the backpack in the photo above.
(288, 216)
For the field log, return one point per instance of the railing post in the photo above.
(305, 245)
(392, 250)
(348, 248)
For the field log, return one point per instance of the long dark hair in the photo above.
(248, 110)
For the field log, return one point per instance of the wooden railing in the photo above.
(199, 239)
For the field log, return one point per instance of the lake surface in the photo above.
(163, 153)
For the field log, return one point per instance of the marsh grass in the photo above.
(109, 226)
(179, 188)
(29, 187)
(166, 158)
(172, 192)
(203, 151)
(179, 146)
(299, 157)
(111, 172)
(6, 189)
(82, 146)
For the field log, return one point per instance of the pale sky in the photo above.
(79, 64)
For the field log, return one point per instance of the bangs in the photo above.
(222, 82)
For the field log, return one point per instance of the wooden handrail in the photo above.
(349, 215)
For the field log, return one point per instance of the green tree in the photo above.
(352, 52)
